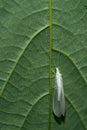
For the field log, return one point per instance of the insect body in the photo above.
(58, 95)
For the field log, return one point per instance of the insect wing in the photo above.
(58, 96)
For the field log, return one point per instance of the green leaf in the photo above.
(25, 63)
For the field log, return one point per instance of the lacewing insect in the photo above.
(58, 95)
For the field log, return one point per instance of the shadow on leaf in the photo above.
(60, 119)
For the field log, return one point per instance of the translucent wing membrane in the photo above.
(58, 95)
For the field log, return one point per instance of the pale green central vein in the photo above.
(50, 88)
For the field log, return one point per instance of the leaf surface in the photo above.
(24, 63)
